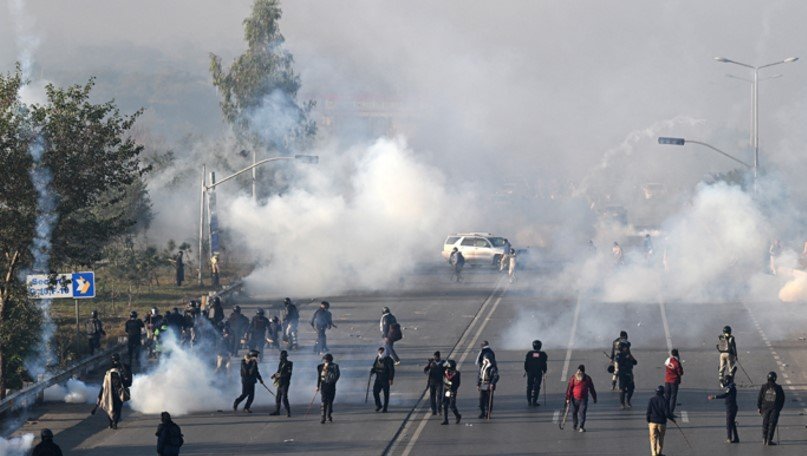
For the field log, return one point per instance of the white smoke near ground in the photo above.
(358, 221)
(73, 392)
(17, 446)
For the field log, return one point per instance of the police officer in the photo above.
(622, 339)
(95, 329)
(435, 369)
(535, 369)
(291, 319)
(257, 333)
(770, 402)
(239, 324)
(451, 384)
(322, 321)
(729, 395)
(486, 384)
(249, 376)
(133, 327)
(46, 447)
(624, 362)
(327, 376)
(727, 347)
(384, 371)
(282, 380)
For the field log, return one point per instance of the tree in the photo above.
(95, 169)
(259, 90)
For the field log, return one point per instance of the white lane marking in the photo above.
(684, 416)
(663, 308)
(556, 416)
(426, 414)
(571, 339)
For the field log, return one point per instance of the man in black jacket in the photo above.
(535, 368)
(257, 333)
(133, 327)
(282, 380)
(249, 376)
(327, 376)
(451, 384)
(435, 369)
(770, 402)
(657, 414)
(624, 362)
(238, 326)
(384, 371)
(729, 395)
(169, 436)
(46, 447)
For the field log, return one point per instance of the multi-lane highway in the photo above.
(455, 318)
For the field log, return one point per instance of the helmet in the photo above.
(47, 434)
(385, 310)
(328, 357)
(660, 390)
(94, 313)
(623, 334)
(772, 376)
(451, 364)
(133, 314)
(237, 309)
(259, 312)
(325, 304)
(284, 354)
(287, 301)
(536, 345)
(727, 330)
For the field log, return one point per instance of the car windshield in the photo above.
(497, 241)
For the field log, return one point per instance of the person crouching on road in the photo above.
(249, 376)
(657, 414)
(579, 387)
(384, 371)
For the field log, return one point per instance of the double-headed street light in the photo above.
(755, 105)
(310, 159)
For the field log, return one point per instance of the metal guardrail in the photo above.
(31, 394)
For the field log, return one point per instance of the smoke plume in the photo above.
(16, 446)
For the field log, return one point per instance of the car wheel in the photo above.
(496, 260)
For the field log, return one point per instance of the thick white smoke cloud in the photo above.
(359, 221)
(16, 446)
(73, 392)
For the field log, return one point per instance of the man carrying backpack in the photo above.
(770, 402)
(169, 436)
(391, 333)
(727, 347)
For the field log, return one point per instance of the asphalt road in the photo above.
(454, 318)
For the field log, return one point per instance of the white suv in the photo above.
(476, 247)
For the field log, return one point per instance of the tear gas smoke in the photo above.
(74, 392)
(16, 446)
(360, 222)
(26, 39)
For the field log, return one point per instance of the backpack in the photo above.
(723, 344)
(394, 332)
(175, 435)
(770, 395)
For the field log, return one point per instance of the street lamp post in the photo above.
(311, 159)
(683, 141)
(755, 105)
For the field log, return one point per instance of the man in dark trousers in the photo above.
(451, 384)
(249, 376)
(322, 321)
(291, 319)
(624, 362)
(657, 414)
(46, 447)
(239, 324)
(169, 436)
(672, 379)
(770, 402)
(282, 380)
(384, 371)
(486, 384)
(727, 347)
(729, 395)
(257, 333)
(95, 329)
(327, 376)
(622, 339)
(133, 327)
(387, 320)
(435, 370)
(577, 391)
(535, 368)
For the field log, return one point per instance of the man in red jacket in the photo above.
(672, 378)
(580, 385)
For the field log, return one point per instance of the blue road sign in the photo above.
(83, 285)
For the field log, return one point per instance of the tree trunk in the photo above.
(4, 294)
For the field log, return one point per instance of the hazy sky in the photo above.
(512, 89)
